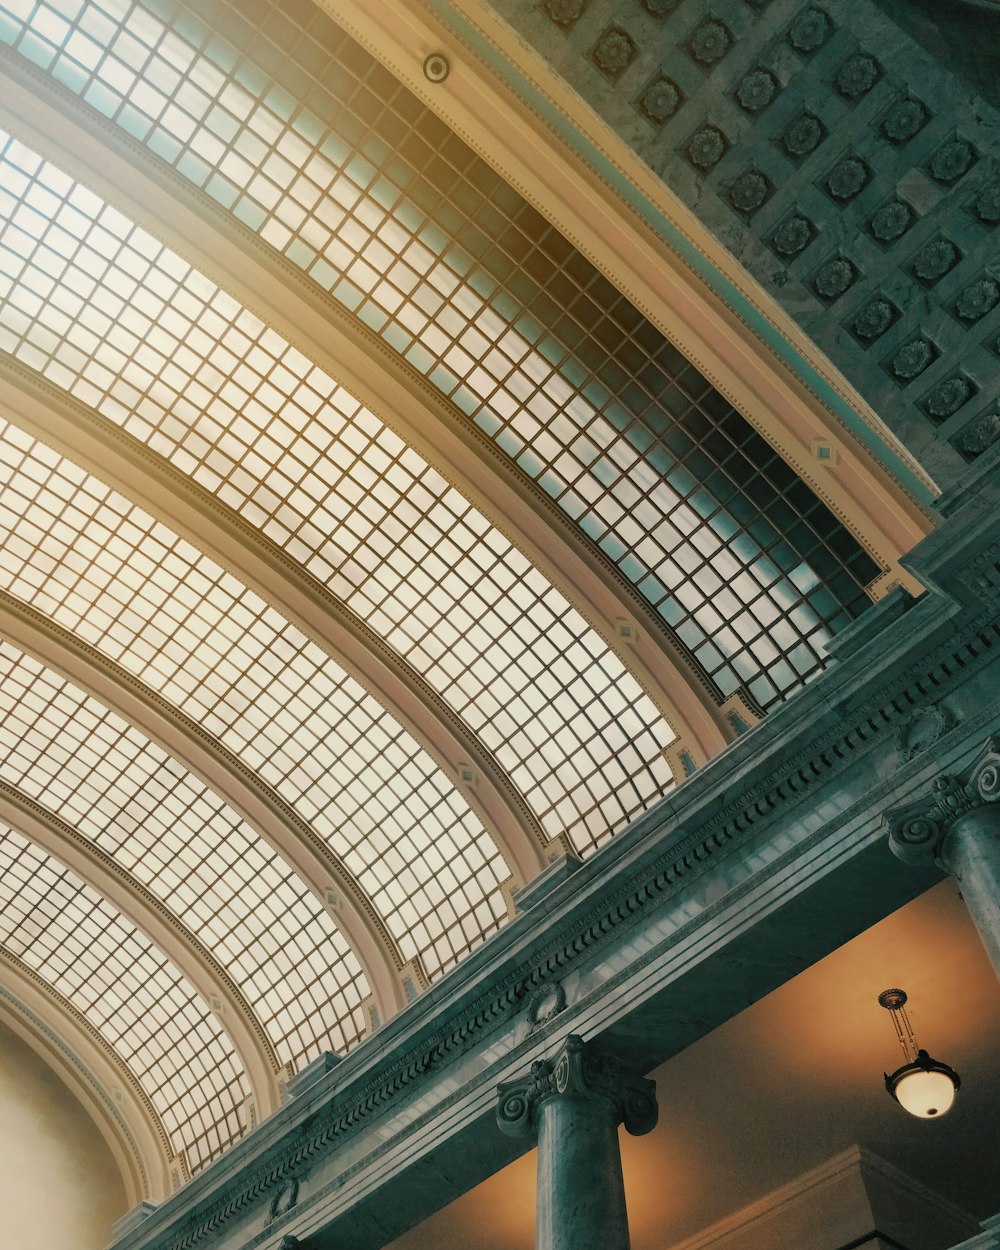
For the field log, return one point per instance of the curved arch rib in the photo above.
(142, 1006)
(145, 911)
(584, 694)
(97, 1076)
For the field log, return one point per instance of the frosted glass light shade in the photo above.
(924, 1088)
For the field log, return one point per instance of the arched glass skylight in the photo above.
(130, 993)
(388, 211)
(102, 309)
(99, 774)
(106, 570)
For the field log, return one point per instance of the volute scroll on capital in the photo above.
(917, 831)
(577, 1071)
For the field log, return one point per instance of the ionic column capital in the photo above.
(577, 1071)
(918, 830)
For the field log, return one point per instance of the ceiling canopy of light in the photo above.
(305, 141)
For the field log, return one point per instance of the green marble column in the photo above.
(957, 826)
(575, 1103)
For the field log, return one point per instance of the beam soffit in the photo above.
(309, 856)
(219, 246)
(151, 917)
(511, 108)
(95, 1074)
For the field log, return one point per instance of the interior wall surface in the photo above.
(59, 1184)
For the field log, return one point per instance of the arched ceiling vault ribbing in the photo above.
(98, 1077)
(115, 166)
(352, 181)
(88, 440)
(181, 946)
(502, 784)
(535, 144)
(130, 995)
(313, 861)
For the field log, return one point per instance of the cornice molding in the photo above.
(856, 1161)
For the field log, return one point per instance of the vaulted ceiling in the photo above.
(368, 536)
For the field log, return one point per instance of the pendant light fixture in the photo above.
(923, 1086)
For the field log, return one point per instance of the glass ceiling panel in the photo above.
(128, 585)
(103, 310)
(101, 567)
(130, 993)
(307, 140)
(99, 774)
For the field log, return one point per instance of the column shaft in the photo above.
(971, 852)
(575, 1102)
(581, 1195)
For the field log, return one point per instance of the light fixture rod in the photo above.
(894, 1001)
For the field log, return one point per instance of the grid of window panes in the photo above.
(135, 998)
(126, 584)
(340, 168)
(102, 309)
(102, 776)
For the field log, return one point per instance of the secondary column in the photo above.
(956, 825)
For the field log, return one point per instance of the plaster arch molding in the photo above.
(97, 1080)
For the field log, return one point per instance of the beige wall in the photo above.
(59, 1186)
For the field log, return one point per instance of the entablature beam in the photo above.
(636, 946)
